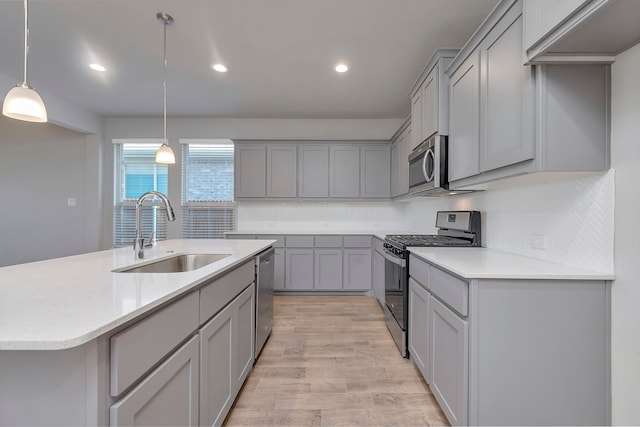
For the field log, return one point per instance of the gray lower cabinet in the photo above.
(378, 270)
(328, 269)
(166, 397)
(279, 270)
(449, 361)
(419, 327)
(511, 351)
(299, 269)
(226, 357)
(357, 270)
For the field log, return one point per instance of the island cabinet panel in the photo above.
(243, 333)
(216, 295)
(282, 172)
(137, 349)
(166, 397)
(313, 171)
(250, 170)
(216, 353)
(344, 171)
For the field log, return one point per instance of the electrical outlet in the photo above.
(538, 241)
(71, 201)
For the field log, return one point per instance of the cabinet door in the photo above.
(250, 171)
(430, 110)
(416, 119)
(357, 270)
(244, 317)
(506, 96)
(282, 171)
(278, 277)
(344, 171)
(419, 327)
(299, 269)
(395, 166)
(216, 356)
(449, 361)
(313, 164)
(166, 397)
(464, 120)
(375, 171)
(328, 269)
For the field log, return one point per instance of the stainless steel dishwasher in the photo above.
(264, 297)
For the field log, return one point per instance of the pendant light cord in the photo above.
(26, 39)
(164, 82)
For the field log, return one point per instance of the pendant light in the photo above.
(23, 102)
(165, 153)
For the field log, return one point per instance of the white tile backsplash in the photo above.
(574, 214)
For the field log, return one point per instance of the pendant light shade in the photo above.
(23, 102)
(165, 153)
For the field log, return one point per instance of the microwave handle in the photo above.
(424, 164)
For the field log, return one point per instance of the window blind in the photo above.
(136, 172)
(208, 208)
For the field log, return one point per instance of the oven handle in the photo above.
(394, 259)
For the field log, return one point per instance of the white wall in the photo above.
(625, 144)
(41, 166)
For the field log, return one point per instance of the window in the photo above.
(208, 208)
(136, 172)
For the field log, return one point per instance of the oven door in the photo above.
(396, 299)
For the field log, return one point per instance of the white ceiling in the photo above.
(280, 54)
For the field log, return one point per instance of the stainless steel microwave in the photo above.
(428, 167)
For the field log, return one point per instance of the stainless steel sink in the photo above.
(176, 264)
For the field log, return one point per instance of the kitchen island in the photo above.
(82, 343)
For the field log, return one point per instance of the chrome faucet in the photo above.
(138, 243)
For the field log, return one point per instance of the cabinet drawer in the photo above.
(136, 349)
(357, 241)
(214, 296)
(279, 239)
(450, 289)
(299, 241)
(328, 241)
(419, 270)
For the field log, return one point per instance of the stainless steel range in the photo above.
(455, 229)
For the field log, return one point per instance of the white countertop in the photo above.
(318, 232)
(483, 263)
(65, 302)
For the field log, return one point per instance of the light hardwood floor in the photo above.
(330, 361)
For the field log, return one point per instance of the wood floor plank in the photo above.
(330, 361)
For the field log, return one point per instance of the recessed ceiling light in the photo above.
(97, 67)
(341, 68)
(219, 67)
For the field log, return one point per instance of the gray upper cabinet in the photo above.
(282, 169)
(375, 171)
(579, 30)
(509, 119)
(344, 171)
(313, 171)
(429, 99)
(506, 92)
(399, 163)
(464, 119)
(250, 170)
